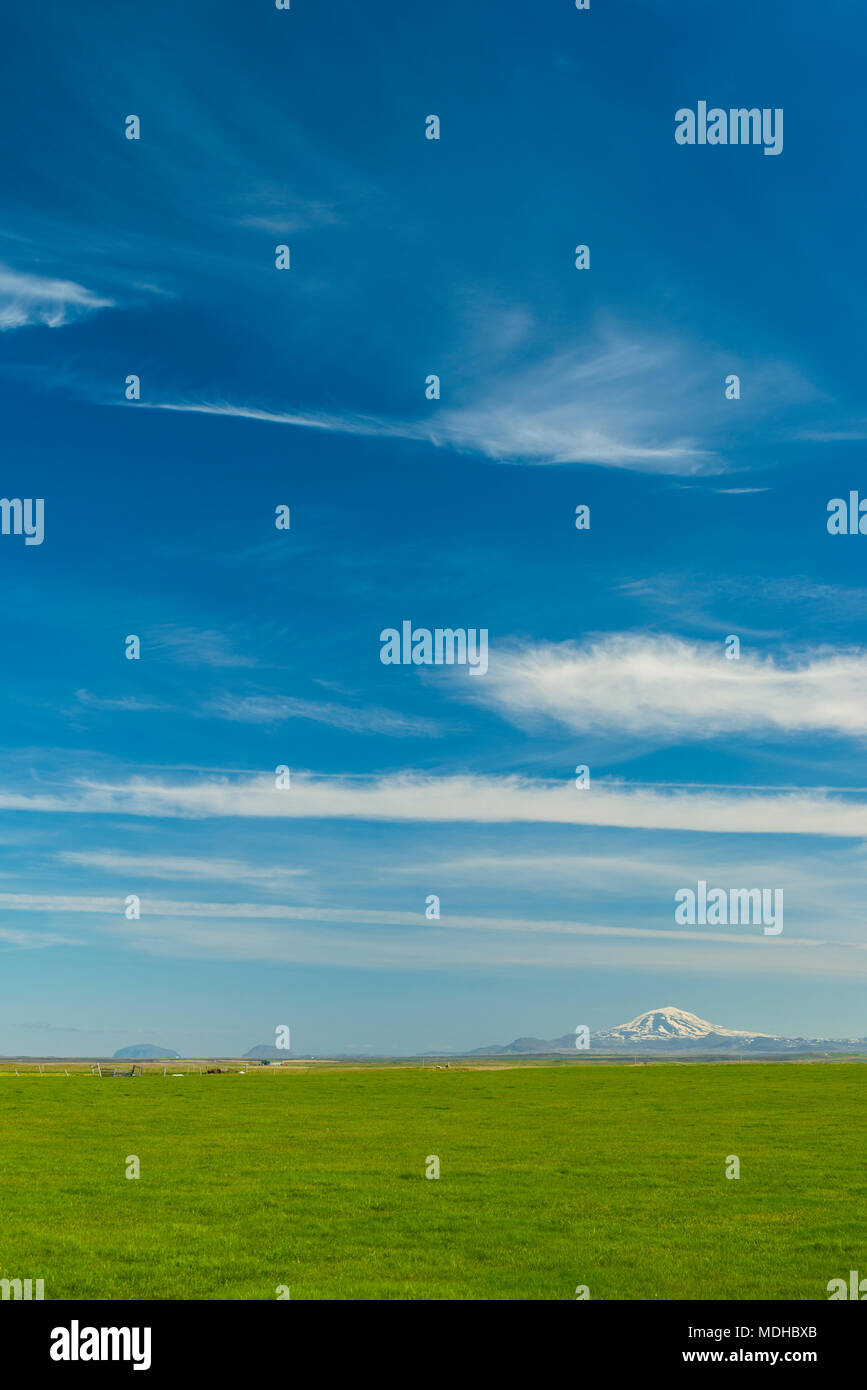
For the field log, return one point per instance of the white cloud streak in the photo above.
(673, 688)
(418, 797)
(179, 868)
(642, 405)
(241, 931)
(27, 300)
(623, 400)
(266, 709)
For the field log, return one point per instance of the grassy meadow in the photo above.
(551, 1177)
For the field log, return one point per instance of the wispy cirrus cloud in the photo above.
(629, 884)
(400, 939)
(125, 703)
(663, 686)
(623, 405)
(707, 603)
(181, 868)
(851, 433)
(266, 709)
(281, 212)
(197, 646)
(478, 799)
(628, 401)
(497, 428)
(24, 939)
(272, 710)
(27, 300)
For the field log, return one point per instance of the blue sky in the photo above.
(156, 257)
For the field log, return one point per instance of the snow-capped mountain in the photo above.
(668, 1024)
(675, 1030)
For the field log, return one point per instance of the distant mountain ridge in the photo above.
(672, 1030)
(148, 1051)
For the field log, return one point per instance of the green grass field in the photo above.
(611, 1177)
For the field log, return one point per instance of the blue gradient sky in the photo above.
(306, 387)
